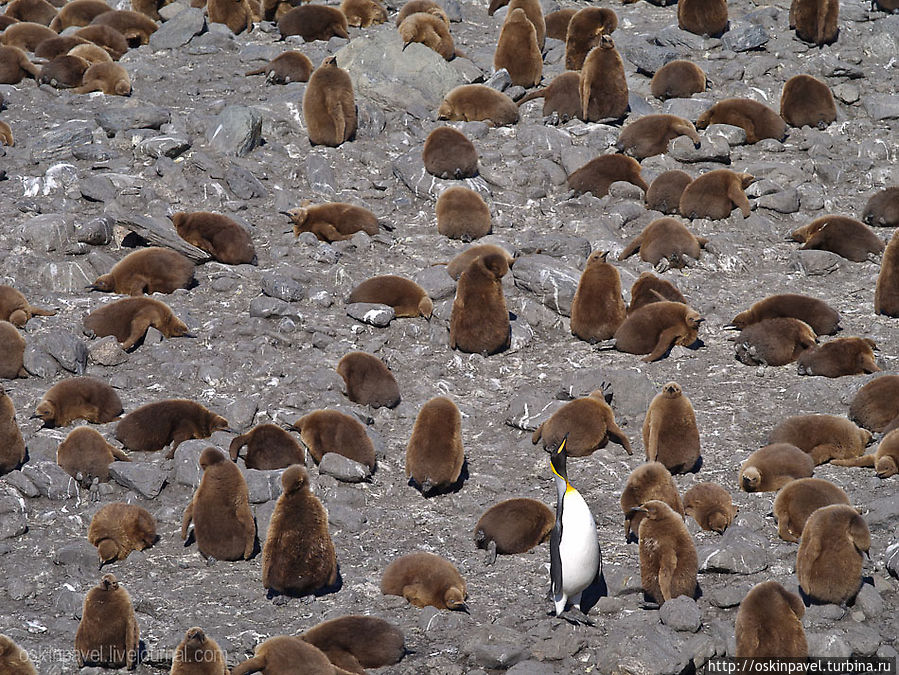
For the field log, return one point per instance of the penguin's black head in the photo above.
(558, 460)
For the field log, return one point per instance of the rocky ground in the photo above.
(86, 169)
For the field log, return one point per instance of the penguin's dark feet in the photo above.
(490, 557)
(576, 617)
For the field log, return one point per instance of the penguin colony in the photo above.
(826, 550)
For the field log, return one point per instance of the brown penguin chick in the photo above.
(429, 30)
(298, 557)
(148, 270)
(586, 28)
(665, 239)
(16, 309)
(78, 398)
(425, 579)
(678, 79)
(407, 298)
(655, 328)
(647, 482)
(798, 499)
(829, 560)
(518, 50)
(710, 505)
(12, 446)
(823, 319)
(807, 101)
(119, 528)
(462, 214)
(774, 342)
(35, 11)
(6, 137)
(12, 352)
(289, 66)
(773, 466)
(756, 119)
(648, 288)
(108, 635)
(368, 380)
(599, 173)
(479, 322)
(129, 318)
(284, 655)
(329, 105)
(824, 437)
(64, 72)
(58, 46)
(885, 461)
(815, 20)
(665, 191)
(6, 22)
(876, 405)
(840, 357)
(882, 208)
(650, 134)
(844, 236)
(769, 623)
(84, 451)
(91, 53)
(26, 35)
(461, 261)
(15, 66)
(314, 22)
(597, 308)
(513, 526)
(670, 434)
(269, 447)
(604, 92)
(356, 642)
(715, 194)
(668, 561)
(198, 654)
(334, 221)
(478, 103)
(106, 37)
(325, 431)
(434, 455)
(447, 153)
(220, 510)
(154, 425)
(562, 96)
(134, 26)
(78, 13)
(149, 8)
(557, 23)
(110, 78)
(702, 17)
(886, 292)
(237, 16)
(414, 6)
(363, 13)
(218, 235)
(534, 11)
(589, 424)
(13, 659)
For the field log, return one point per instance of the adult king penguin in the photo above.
(574, 560)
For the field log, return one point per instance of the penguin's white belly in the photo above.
(579, 548)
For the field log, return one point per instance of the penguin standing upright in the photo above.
(574, 559)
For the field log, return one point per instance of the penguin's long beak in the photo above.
(636, 510)
(558, 460)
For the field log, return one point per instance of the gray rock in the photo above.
(557, 245)
(107, 352)
(240, 413)
(744, 37)
(869, 601)
(529, 410)
(160, 232)
(235, 131)
(97, 189)
(688, 108)
(438, 284)
(882, 106)
(531, 668)
(343, 468)
(733, 135)
(880, 510)
(816, 263)
(243, 183)
(681, 614)
(284, 288)
(77, 554)
(51, 480)
(145, 479)
(13, 513)
(500, 80)
(827, 644)
(863, 640)
(68, 603)
(57, 143)
(785, 201)
(639, 648)
(212, 42)
(647, 57)
(320, 173)
(383, 71)
(178, 30)
(116, 117)
(68, 350)
(38, 362)
(21, 482)
(714, 148)
(19, 588)
(739, 551)
(729, 595)
(371, 313)
(345, 517)
(164, 146)
(50, 232)
(263, 486)
(672, 36)
(266, 307)
(497, 647)
(94, 231)
(631, 391)
(552, 283)
(410, 169)
(187, 469)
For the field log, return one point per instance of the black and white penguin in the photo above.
(574, 559)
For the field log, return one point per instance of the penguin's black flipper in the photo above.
(555, 557)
